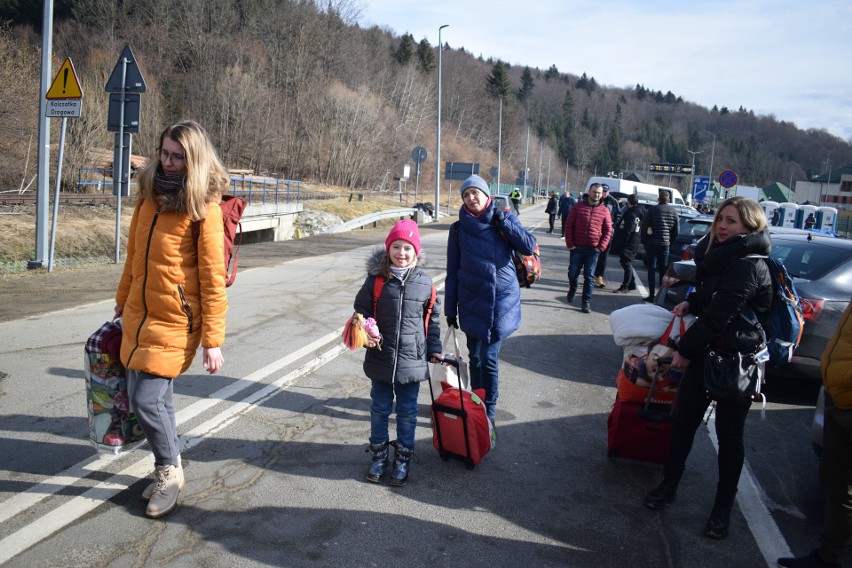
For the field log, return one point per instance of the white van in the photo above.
(645, 191)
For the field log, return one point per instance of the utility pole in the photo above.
(438, 134)
(692, 176)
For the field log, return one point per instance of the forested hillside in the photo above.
(302, 90)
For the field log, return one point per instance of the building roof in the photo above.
(835, 173)
(776, 192)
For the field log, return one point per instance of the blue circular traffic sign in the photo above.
(728, 179)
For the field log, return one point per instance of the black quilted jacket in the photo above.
(726, 283)
(663, 222)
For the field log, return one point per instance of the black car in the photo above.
(821, 268)
(690, 230)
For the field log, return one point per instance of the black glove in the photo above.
(452, 322)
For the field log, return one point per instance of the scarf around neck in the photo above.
(167, 184)
(400, 273)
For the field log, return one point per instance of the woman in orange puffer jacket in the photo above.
(172, 292)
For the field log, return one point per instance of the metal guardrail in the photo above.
(254, 189)
(371, 218)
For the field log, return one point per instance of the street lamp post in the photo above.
(499, 144)
(438, 133)
(712, 155)
(827, 181)
(692, 176)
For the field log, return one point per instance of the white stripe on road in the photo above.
(73, 474)
(72, 510)
(758, 518)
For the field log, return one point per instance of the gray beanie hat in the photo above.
(478, 183)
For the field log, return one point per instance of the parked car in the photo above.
(821, 268)
(690, 231)
(502, 201)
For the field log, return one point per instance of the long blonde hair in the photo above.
(750, 213)
(206, 179)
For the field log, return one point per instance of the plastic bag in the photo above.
(455, 366)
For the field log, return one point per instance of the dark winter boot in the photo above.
(380, 462)
(401, 459)
(720, 516)
(587, 307)
(664, 494)
(571, 293)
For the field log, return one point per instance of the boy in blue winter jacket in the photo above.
(409, 325)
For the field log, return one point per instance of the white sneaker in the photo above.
(163, 500)
(146, 495)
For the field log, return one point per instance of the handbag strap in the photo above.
(664, 339)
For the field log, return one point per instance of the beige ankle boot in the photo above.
(163, 500)
(146, 495)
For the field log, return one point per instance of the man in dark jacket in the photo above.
(611, 203)
(566, 202)
(659, 230)
(625, 242)
(587, 232)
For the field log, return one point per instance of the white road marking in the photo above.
(766, 533)
(72, 510)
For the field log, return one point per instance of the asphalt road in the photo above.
(274, 444)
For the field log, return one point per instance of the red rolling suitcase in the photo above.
(640, 430)
(461, 428)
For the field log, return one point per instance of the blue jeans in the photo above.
(152, 399)
(658, 262)
(406, 412)
(582, 258)
(483, 371)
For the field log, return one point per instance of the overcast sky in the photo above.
(790, 59)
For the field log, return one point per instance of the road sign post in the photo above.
(419, 155)
(64, 100)
(125, 83)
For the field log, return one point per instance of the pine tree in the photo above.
(405, 50)
(527, 85)
(498, 84)
(425, 56)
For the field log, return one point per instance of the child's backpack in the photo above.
(379, 283)
(232, 211)
(786, 320)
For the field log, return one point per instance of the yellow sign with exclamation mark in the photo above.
(65, 85)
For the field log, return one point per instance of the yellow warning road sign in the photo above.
(65, 85)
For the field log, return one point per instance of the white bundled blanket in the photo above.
(642, 324)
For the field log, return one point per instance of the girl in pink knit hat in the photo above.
(400, 296)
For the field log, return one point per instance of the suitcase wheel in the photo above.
(469, 464)
(612, 453)
(444, 456)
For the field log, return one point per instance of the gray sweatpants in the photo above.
(152, 399)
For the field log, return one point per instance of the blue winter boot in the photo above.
(380, 462)
(401, 459)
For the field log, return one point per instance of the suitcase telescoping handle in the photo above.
(451, 363)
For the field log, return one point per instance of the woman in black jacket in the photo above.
(731, 276)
